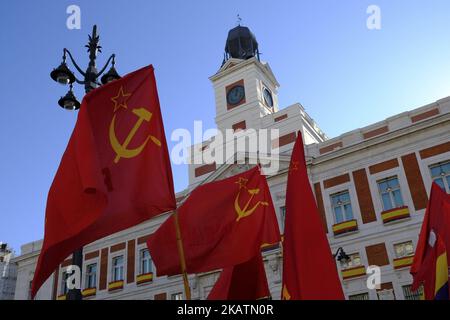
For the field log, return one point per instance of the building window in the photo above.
(440, 173)
(342, 207)
(91, 276)
(177, 296)
(145, 261)
(64, 289)
(404, 249)
(391, 196)
(360, 296)
(412, 295)
(117, 268)
(353, 261)
(282, 217)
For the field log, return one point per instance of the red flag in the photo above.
(114, 174)
(309, 270)
(245, 281)
(222, 224)
(435, 226)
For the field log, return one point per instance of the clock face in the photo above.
(235, 95)
(268, 97)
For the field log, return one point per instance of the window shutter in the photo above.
(161, 296)
(377, 255)
(415, 182)
(103, 269)
(364, 197)
(130, 260)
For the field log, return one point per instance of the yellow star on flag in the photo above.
(120, 100)
(242, 182)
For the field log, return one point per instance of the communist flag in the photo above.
(114, 174)
(431, 260)
(222, 224)
(309, 270)
(245, 281)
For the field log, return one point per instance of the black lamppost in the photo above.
(63, 75)
(341, 255)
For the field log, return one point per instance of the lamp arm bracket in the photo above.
(75, 64)
(79, 81)
(337, 252)
(106, 65)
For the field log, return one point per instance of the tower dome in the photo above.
(241, 44)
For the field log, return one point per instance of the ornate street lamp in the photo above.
(69, 101)
(63, 75)
(341, 255)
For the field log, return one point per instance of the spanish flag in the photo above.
(434, 271)
(441, 287)
(430, 267)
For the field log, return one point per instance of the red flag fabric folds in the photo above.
(309, 270)
(222, 224)
(245, 281)
(429, 264)
(114, 174)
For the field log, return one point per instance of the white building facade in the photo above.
(371, 186)
(8, 273)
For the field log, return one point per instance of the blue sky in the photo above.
(320, 51)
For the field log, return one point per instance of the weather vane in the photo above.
(239, 19)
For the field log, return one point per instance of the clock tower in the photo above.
(246, 97)
(245, 88)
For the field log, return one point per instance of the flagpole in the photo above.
(187, 289)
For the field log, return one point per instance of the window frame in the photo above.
(113, 268)
(444, 177)
(142, 259)
(176, 294)
(403, 243)
(346, 266)
(341, 206)
(408, 288)
(63, 284)
(365, 294)
(89, 274)
(390, 193)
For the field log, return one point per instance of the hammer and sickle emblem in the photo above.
(121, 149)
(245, 212)
(286, 295)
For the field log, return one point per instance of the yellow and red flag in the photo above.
(222, 224)
(431, 260)
(114, 174)
(245, 281)
(309, 269)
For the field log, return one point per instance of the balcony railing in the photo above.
(89, 292)
(354, 272)
(144, 278)
(395, 214)
(115, 285)
(61, 297)
(344, 227)
(403, 262)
